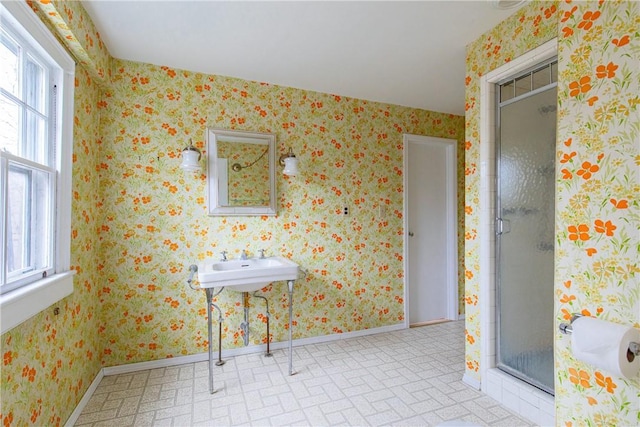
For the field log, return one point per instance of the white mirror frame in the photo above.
(213, 173)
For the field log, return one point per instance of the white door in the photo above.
(430, 229)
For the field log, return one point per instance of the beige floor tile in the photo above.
(404, 378)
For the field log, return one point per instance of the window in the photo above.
(36, 100)
(27, 162)
(531, 80)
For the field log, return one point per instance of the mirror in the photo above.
(241, 173)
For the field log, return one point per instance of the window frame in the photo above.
(18, 305)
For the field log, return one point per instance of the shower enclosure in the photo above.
(525, 159)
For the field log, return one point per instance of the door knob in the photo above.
(411, 234)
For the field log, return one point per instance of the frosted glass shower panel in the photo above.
(524, 268)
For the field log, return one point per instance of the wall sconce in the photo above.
(507, 4)
(290, 163)
(191, 158)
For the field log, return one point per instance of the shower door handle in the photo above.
(503, 226)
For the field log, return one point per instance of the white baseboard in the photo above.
(345, 335)
(201, 357)
(155, 364)
(85, 399)
(471, 382)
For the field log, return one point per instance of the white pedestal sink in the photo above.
(247, 275)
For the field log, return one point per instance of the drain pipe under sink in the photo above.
(266, 302)
(245, 324)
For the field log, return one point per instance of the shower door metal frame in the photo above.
(498, 221)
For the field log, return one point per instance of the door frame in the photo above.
(486, 232)
(452, 219)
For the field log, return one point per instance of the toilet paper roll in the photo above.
(605, 345)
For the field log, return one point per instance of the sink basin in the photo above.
(246, 275)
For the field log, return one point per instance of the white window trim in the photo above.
(23, 303)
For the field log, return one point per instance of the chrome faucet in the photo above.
(261, 253)
(224, 256)
(243, 256)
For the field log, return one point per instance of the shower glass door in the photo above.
(525, 160)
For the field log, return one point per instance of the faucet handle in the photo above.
(261, 253)
(224, 256)
(244, 254)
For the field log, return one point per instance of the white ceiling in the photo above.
(404, 53)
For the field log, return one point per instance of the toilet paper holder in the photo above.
(565, 328)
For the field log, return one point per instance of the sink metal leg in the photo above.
(209, 292)
(290, 285)
(220, 362)
(268, 353)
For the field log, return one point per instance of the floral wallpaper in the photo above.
(598, 199)
(49, 361)
(144, 221)
(139, 221)
(597, 186)
(250, 185)
(155, 223)
(69, 21)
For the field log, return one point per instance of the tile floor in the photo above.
(404, 378)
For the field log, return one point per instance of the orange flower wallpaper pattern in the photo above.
(598, 203)
(139, 221)
(131, 245)
(49, 361)
(350, 153)
(597, 186)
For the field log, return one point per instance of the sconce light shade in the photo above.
(290, 163)
(191, 158)
(507, 4)
(290, 166)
